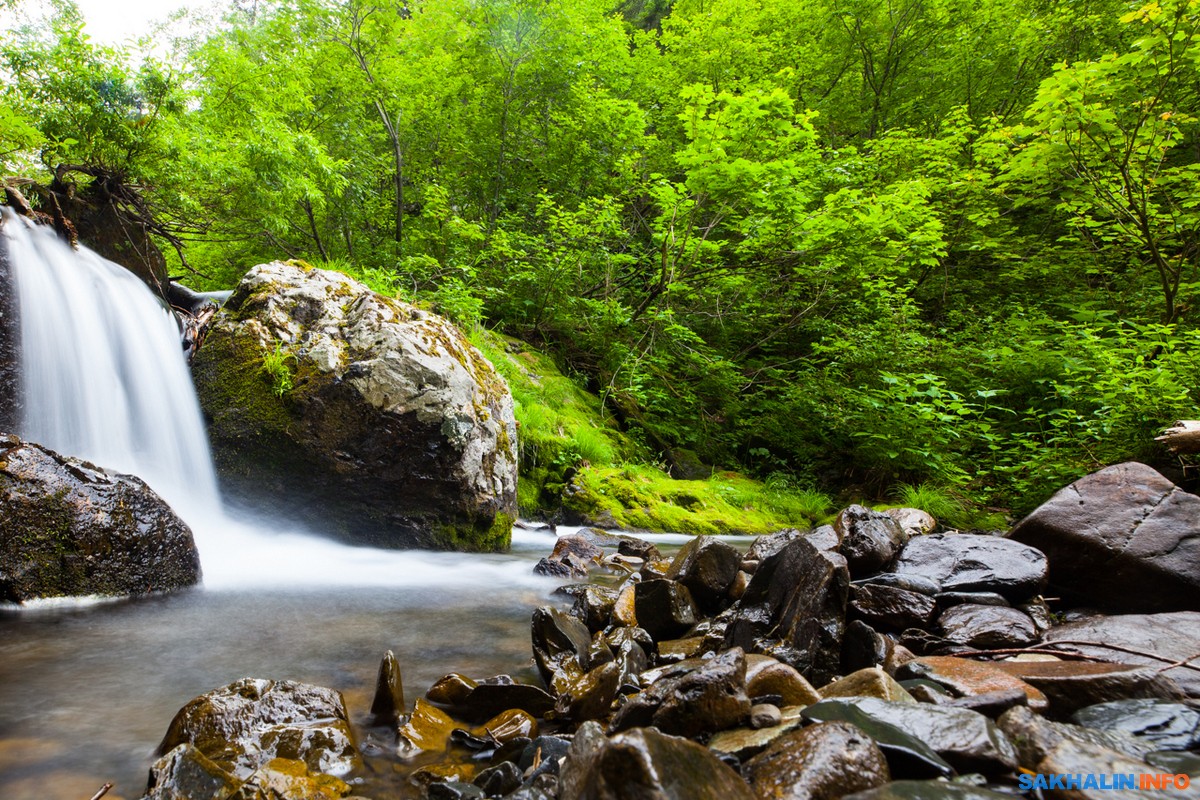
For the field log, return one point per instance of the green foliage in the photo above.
(276, 364)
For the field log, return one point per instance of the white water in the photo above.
(104, 378)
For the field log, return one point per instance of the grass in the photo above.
(947, 507)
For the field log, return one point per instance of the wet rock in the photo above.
(1072, 685)
(987, 627)
(489, 699)
(1040, 613)
(594, 607)
(396, 432)
(950, 599)
(870, 539)
(451, 690)
(288, 779)
(185, 773)
(1035, 736)
(557, 637)
(991, 704)
(707, 699)
(509, 726)
(824, 537)
(968, 678)
(765, 715)
(960, 562)
(388, 703)
(453, 790)
(1166, 638)
(638, 548)
(707, 567)
(664, 608)
(870, 682)
(543, 756)
(1114, 533)
(501, 779)
(428, 729)
(821, 762)
(1166, 725)
(629, 652)
(582, 548)
(1077, 758)
(740, 583)
(679, 649)
(1174, 762)
(743, 743)
(592, 695)
(907, 755)
(911, 583)
(913, 521)
(643, 764)
(794, 610)
(625, 607)
(68, 527)
(928, 790)
(892, 607)
(767, 676)
(863, 647)
(767, 546)
(249, 722)
(567, 567)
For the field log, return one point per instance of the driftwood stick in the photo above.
(103, 791)
(1187, 662)
(1182, 437)
(1019, 651)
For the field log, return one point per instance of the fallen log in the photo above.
(1182, 437)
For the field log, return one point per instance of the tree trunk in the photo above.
(1183, 437)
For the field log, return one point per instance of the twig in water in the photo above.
(103, 791)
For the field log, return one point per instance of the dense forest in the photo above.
(841, 245)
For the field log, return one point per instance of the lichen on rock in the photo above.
(395, 431)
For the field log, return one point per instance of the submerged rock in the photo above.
(68, 527)
(374, 417)
(643, 764)
(1112, 535)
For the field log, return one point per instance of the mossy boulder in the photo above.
(376, 420)
(69, 528)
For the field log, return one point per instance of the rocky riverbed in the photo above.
(873, 658)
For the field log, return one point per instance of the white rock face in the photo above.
(393, 417)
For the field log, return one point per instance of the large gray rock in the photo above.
(382, 418)
(1124, 538)
(960, 562)
(68, 527)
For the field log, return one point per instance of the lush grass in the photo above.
(950, 509)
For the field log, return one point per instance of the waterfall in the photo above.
(102, 370)
(102, 376)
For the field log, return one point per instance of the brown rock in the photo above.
(825, 761)
(971, 678)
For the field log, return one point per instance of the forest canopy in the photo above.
(845, 245)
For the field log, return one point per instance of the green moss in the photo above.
(494, 537)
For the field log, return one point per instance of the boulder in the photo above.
(869, 539)
(825, 761)
(987, 627)
(644, 764)
(373, 418)
(665, 609)
(243, 726)
(907, 755)
(68, 527)
(794, 610)
(707, 567)
(960, 562)
(1072, 685)
(891, 607)
(967, 678)
(1114, 533)
(1035, 736)
(707, 698)
(1165, 725)
(185, 773)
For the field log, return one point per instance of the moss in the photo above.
(491, 537)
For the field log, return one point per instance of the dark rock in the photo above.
(1174, 762)
(638, 548)
(824, 537)
(703, 700)
(629, 652)
(960, 562)
(1164, 638)
(580, 547)
(707, 567)
(388, 704)
(822, 762)
(489, 699)
(770, 544)
(911, 583)
(1114, 533)
(644, 764)
(794, 610)
(987, 627)
(665, 609)
(1035, 736)
(396, 432)
(1168, 726)
(892, 607)
(453, 790)
(928, 790)
(69, 528)
(594, 607)
(592, 695)
(863, 647)
(501, 779)
(1072, 685)
(968, 678)
(1078, 758)
(185, 773)
(990, 704)
(548, 751)
(741, 582)
(451, 690)
(870, 539)
(1039, 612)
(244, 725)
(907, 756)
(950, 599)
(765, 715)
(566, 567)
(558, 637)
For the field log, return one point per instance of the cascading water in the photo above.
(103, 377)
